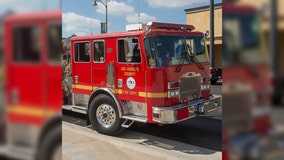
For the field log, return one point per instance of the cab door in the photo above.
(99, 64)
(81, 76)
(131, 76)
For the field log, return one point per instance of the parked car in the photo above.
(215, 74)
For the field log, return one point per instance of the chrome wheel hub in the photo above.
(105, 115)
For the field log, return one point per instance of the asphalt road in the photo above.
(203, 131)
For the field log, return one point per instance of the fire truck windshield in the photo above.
(243, 42)
(170, 50)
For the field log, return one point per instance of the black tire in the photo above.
(214, 81)
(50, 143)
(114, 127)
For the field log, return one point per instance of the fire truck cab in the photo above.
(156, 74)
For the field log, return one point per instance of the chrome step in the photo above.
(127, 123)
(135, 118)
(77, 109)
(67, 107)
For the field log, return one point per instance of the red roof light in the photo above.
(160, 25)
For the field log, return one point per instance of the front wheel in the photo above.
(103, 114)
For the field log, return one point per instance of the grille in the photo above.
(190, 84)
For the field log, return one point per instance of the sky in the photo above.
(20, 6)
(80, 17)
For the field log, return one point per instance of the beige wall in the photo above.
(217, 54)
(201, 21)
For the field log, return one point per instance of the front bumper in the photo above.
(181, 112)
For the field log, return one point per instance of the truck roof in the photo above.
(33, 16)
(156, 27)
(109, 35)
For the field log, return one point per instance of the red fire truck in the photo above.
(33, 86)
(158, 74)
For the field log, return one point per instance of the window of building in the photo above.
(129, 50)
(82, 52)
(26, 44)
(99, 51)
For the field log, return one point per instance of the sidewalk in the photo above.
(84, 143)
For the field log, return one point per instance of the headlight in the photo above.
(208, 86)
(205, 87)
(173, 93)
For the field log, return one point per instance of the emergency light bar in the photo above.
(168, 26)
(134, 27)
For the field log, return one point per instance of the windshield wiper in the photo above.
(184, 56)
(195, 60)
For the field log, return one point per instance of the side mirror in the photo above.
(206, 33)
(128, 49)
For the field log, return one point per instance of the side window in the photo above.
(54, 42)
(180, 47)
(99, 51)
(129, 50)
(26, 44)
(82, 52)
(121, 55)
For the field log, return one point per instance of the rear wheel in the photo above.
(103, 114)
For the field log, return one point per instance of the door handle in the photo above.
(76, 79)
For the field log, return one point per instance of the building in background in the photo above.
(200, 18)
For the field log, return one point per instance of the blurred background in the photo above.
(253, 79)
(30, 79)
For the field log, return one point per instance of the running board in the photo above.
(135, 118)
(77, 109)
(127, 123)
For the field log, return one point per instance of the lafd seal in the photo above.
(130, 82)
